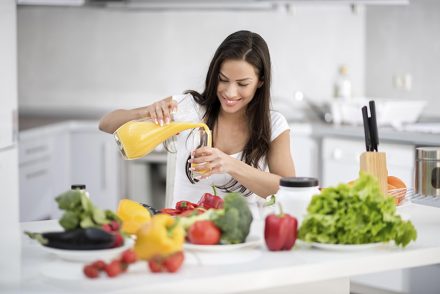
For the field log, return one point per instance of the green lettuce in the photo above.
(356, 214)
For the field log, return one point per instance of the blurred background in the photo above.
(79, 59)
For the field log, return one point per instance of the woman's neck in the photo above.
(234, 118)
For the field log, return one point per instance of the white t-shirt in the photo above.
(183, 188)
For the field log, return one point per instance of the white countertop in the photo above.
(43, 272)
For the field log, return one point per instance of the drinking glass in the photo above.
(200, 139)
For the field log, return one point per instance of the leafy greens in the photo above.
(356, 214)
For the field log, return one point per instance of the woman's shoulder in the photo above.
(279, 124)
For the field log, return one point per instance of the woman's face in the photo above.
(237, 84)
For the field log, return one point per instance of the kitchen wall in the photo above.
(404, 40)
(89, 60)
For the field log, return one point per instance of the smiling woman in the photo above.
(251, 143)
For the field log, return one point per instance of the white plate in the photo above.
(346, 247)
(89, 255)
(251, 241)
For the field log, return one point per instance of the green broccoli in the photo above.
(234, 219)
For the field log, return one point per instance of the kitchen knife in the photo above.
(373, 126)
(366, 128)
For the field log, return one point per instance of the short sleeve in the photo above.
(187, 108)
(279, 124)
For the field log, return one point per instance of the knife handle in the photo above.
(373, 126)
(366, 128)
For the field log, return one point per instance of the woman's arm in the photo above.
(158, 111)
(259, 182)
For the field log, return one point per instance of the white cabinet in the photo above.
(96, 162)
(305, 151)
(53, 158)
(9, 215)
(341, 159)
(43, 169)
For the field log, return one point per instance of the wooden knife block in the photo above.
(375, 164)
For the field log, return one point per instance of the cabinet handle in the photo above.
(42, 159)
(36, 149)
(35, 174)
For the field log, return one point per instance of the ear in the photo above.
(260, 83)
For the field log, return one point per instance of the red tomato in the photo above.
(169, 264)
(204, 232)
(173, 262)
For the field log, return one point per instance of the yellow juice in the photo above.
(138, 138)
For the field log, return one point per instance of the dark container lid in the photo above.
(299, 182)
(80, 187)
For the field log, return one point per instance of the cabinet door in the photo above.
(35, 155)
(9, 218)
(59, 168)
(44, 172)
(96, 162)
(8, 74)
(305, 154)
(341, 160)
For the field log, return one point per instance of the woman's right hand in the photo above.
(160, 112)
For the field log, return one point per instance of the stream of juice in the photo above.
(138, 138)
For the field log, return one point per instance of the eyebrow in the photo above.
(240, 80)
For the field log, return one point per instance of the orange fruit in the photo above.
(133, 215)
(396, 182)
(396, 188)
(391, 187)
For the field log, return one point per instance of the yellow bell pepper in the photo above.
(133, 215)
(162, 236)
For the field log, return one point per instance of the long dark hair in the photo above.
(251, 47)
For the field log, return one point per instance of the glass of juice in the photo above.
(201, 138)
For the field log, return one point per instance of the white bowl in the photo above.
(89, 255)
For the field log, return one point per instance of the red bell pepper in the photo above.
(209, 200)
(191, 212)
(280, 231)
(185, 205)
(170, 211)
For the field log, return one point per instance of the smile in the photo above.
(230, 102)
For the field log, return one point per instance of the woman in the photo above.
(251, 144)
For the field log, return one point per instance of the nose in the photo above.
(231, 91)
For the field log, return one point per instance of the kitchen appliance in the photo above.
(427, 178)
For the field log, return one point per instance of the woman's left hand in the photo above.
(207, 161)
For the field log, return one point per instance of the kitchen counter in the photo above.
(303, 270)
(386, 134)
